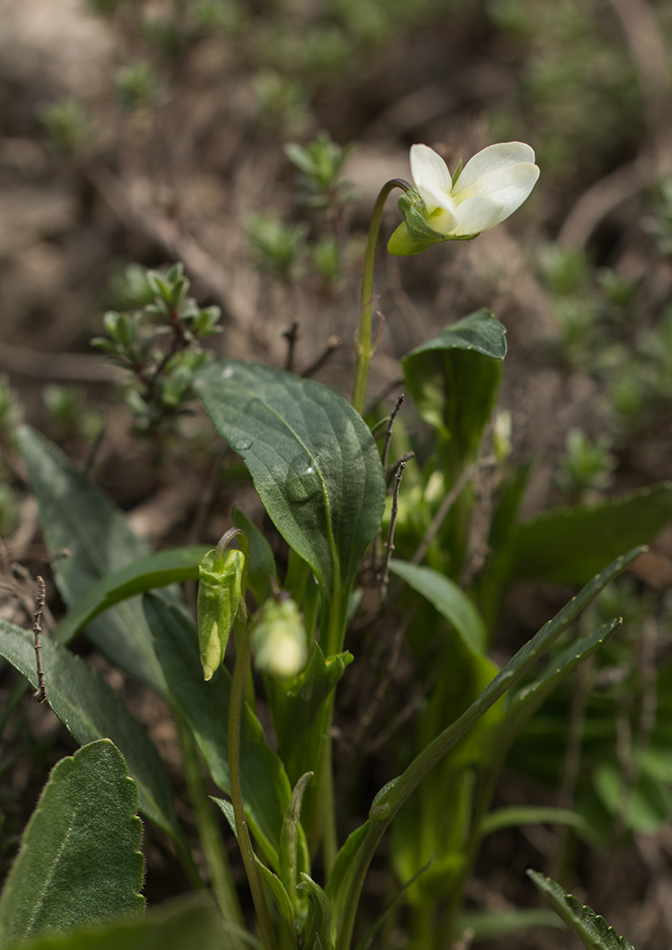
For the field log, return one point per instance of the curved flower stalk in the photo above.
(441, 207)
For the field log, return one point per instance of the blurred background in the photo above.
(138, 133)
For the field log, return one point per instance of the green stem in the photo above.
(208, 831)
(244, 841)
(363, 343)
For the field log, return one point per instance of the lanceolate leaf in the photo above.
(448, 598)
(592, 930)
(569, 545)
(156, 570)
(79, 860)
(390, 799)
(205, 707)
(79, 519)
(91, 710)
(313, 461)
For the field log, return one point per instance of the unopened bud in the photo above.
(279, 639)
(219, 598)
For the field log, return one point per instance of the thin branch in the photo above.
(448, 503)
(40, 596)
(385, 575)
(394, 468)
(333, 344)
(291, 335)
(388, 430)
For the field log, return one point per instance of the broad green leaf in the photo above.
(453, 380)
(262, 563)
(568, 545)
(313, 461)
(480, 332)
(593, 931)
(448, 598)
(492, 924)
(180, 925)
(155, 570)
(306, 708)
(515, 815)
(79, 861)
(90, 709)
(78, 518)
(205, 706)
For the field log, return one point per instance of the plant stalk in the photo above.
(236, 701)
(208, 832)
(363, 342)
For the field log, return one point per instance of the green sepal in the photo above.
(415, 234)
(220, 592)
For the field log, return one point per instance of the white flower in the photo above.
(491, 186)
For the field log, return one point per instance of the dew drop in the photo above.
(303, 482)
(227, 372)
(242, 445)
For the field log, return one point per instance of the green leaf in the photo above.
(180, 925)
(313, 461)
(526, 702)
(205, 706)
(294, 857)
(568, 545)
(79, 860)
(390, 799)
(261, 567)
(644, 807)
(306, 708)
(517, 667)
(593, 931)
(480, 331)
(90, 709)
(453, 380)
(155, 570)
(492, 924)
(448, 598)
(77, 517)
(319, 924)
(344, 869)
(515, 815)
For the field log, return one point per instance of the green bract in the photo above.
(219, 596)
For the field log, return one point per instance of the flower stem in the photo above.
(363, 343)
(236, 700)
(208, 831)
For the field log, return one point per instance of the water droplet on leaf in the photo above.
(303, 481)
(242, 445)
(227, 372)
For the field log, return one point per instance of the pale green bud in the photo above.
(279, 639)
(219, 598)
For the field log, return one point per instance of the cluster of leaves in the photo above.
(160, 347)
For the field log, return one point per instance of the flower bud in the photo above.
(279, 639)
(219, 598)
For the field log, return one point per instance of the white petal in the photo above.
(430, 176)
(505, 189)
(443, 220)
(494, 158)
(475, 215)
